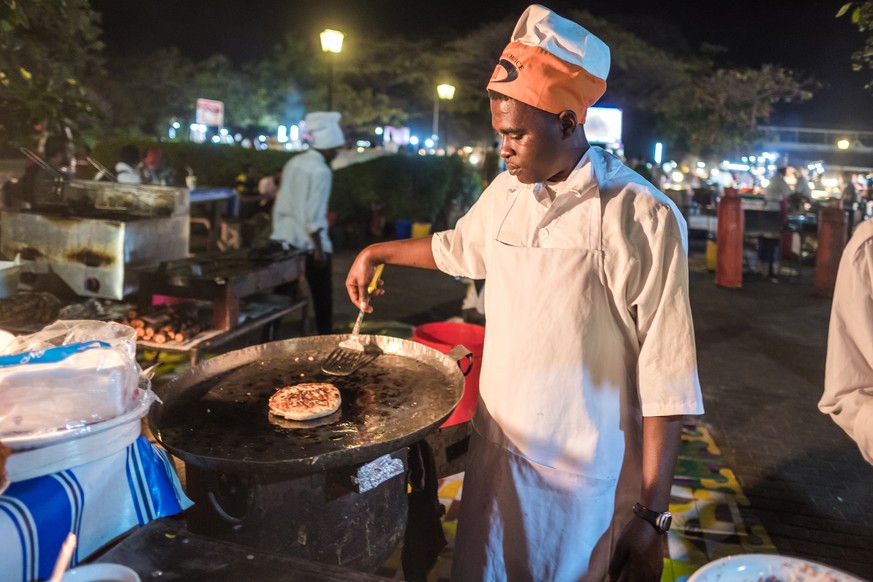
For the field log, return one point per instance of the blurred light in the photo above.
(446, 91)
(172, 132)
(413, 140)
(282, 134)
(176, 125)
(428, 142)
(379, 131)
(764, 182)
(237, 137)
(262, 138)
(468, 150)
(194, 127)
(331, 40)
(215, 139)
(701, 164)
(474, 159)
(223, 131)
(843, 144)
(752, 158)
(294, 133)
(360, 150)
(659, 151)
(677, 176)
(362, 143)
(422, 152)
(738, 167)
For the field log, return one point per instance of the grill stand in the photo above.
(319, 517)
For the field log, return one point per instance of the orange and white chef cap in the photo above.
(552, 63)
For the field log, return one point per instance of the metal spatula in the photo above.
(351, 353)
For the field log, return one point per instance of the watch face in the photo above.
(664, 521)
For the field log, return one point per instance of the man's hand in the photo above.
(359, 277)
(319, 257)
(639, 553)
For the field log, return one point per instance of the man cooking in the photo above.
(300, 209)
(589, 362)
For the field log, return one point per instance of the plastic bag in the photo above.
(68, 375)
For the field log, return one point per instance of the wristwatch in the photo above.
(660, 521)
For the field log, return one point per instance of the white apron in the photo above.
(557, 433)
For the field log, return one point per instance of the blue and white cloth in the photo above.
(98, 501)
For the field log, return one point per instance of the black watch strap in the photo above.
(660, 521)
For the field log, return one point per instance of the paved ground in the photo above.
(761, 356)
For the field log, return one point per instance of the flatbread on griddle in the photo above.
(305, 401)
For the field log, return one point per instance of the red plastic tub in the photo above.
(444, 336)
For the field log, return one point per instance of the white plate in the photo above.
(768, 568)
(30, 440)
(101, 573)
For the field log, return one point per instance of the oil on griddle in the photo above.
(387, 400)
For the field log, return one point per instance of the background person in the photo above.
(589, 361)
(848, 385)
(57, 152)
(802, 194)
(849, 200)
(125, 169)
(268, 188)
(777, 190)
(153, 169)
(300, 209)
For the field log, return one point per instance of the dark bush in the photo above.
(213, 164)
(403, 187)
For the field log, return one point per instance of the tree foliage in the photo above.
(47, 49)
(861, 14)
(51, 72)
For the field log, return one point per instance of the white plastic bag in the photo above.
(68, 375)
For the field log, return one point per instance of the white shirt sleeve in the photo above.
(848, 390)
(284, 204)
(656, 289)
(461, 251)
(317, 195)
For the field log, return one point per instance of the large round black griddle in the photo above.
(216, 415)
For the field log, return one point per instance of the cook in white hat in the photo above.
(589, 362)
(324, 129)
(300, 210)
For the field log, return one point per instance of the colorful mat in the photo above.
(711, 515)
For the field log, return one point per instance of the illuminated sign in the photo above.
(603, 125)
(210, 112)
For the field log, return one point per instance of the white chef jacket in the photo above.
(777, 190)
(608, 260)
(645, 241)
(301, 203)
(848, 390)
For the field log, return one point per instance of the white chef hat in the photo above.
(324, 130)
(552, 63)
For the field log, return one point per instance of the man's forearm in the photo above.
(414, 252)
(661, 436)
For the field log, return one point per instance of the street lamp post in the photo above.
(446, 92)
(331, 42)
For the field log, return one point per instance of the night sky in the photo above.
(803, 35)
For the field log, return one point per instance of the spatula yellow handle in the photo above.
(372, 286)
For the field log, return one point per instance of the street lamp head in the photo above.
(331, 40)
(445, 91)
